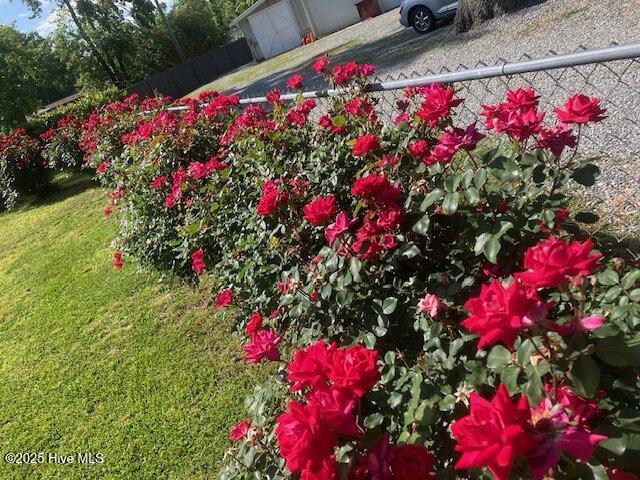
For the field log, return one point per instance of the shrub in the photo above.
(430, 303)
(80, 108)
(22, 169)
(60, 144)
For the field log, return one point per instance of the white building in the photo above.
(275, 26)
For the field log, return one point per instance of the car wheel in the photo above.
(422, 20)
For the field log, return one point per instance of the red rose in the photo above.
(556, 139)
(494, 433)
(263, 345)
(117, 260)
(581, 109)
(337, 228)
(271, 199)
(419, 148)
(335, 408)
(499, 313)
(555, 263)
(412, 462)
(158, 182)
(254, 323)
(308, 367)
(224, 298)
(239, 430)
(354, 368)
(437, 103)
(376, 187)
(295, 82)
(366, 69)
(320, 64)
(106, 211)
(197, 261)
(273, 96)
(320, 210)
(365, 144)
(302, 437)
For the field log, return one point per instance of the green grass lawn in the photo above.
(104, 361)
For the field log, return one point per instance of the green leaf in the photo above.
(432, 197)
(491, 249)
(373, 420)
(509, 377)
(585, 376)
(422, 226)
(452, 182)
(480, 178)
(608, 277)
(389, 305)
(450, 203)
(525, 350)
(630, 279)
(534, 384)
(498, 358)
(619, 351)
(472, 195)
(586, 175)
(480, 241)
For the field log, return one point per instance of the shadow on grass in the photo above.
(63, 186)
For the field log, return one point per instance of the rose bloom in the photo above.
(158, 182)
(308, 367)
(106, 211)
(494, 433)
(431, 305)
(117, 260)
(337, 228)
(366, 69)
(224, 298)
(555, 262)
(302, 437)
(263, 345)
(239, 430)
(376, 187)
(499, 313)
(412, 462)
(295, 82)
(556, 433)
(437, 103)
(320, 64)
(254, 323)
(556, 139)
(354, 368)
(365, 144)
(197, 261)
(320, 210)
(273, 96)
(581, 109)
(336, 409)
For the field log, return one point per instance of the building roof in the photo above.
(62, 101)
(246, 13)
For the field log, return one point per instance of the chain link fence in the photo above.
(612, 74)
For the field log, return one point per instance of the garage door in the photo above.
(275, 29)
(332, 15)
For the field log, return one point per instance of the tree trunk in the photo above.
(471, 13)
(96, 52)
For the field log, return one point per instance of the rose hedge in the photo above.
(22, 168)
(430, 305)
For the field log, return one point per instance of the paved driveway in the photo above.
(557, 25)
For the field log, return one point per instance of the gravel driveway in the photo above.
(546, 27)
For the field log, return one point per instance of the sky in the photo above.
(15, 12)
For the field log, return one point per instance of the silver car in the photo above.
(422, 15)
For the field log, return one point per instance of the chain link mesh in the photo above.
(615, 141)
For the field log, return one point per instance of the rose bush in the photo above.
(22, 168)
(431, 305)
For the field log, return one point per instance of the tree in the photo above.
(30, 75)
(471, 13)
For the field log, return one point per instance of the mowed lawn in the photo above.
(103, 361)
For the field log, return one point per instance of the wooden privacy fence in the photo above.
(186, 77)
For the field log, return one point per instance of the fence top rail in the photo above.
(618, 52)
